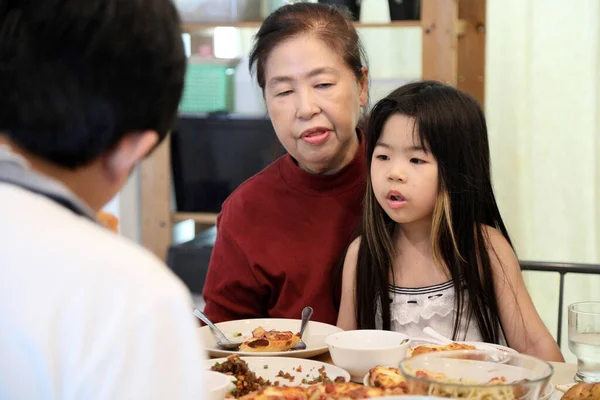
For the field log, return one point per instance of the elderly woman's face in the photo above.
(314, 102)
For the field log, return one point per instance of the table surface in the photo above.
(563, 373)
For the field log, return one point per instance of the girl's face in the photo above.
(404, 175)
(314, 102)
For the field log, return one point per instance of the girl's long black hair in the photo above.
(452, 126)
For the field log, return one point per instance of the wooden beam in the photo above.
(471, 48)
(439, 21)
(199, 218)
(155, 197)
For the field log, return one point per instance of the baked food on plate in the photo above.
(268, 341)
(583, 391)
(432, 348)
(329, 391)
(388, 378)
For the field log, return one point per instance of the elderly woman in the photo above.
(282, 231)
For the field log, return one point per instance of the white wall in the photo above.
(543, 109)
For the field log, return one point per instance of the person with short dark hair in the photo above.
(87, 90)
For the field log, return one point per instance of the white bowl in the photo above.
(359, 351)
(217, 385)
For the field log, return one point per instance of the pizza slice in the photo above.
(433, 348)
(267, 341)
(277, 392)
(388, 378)
(328, 391)
(343, 390)
(581, 391)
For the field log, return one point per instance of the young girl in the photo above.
(433, 250)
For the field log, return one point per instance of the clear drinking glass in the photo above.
(584, 339)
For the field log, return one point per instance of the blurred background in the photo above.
(542, 101)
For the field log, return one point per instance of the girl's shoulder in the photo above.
(494, 239)
(354, 246)
(499, 249)
(351, 257)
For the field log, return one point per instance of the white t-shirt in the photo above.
(85, 314)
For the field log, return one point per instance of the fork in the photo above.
(223, 341)
(306, 314)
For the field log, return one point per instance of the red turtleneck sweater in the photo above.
(278, 237)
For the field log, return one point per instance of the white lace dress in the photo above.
(413, 309)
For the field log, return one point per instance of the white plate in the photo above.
(314, 336)
(273, 365)
(548, 392)
(565, 387)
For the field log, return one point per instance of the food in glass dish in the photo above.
(477, 374)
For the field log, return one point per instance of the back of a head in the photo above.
(332, 24)
(76, 76)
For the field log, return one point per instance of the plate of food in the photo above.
(269, 337)
(254, 373)
(329, 391)
(267, 378)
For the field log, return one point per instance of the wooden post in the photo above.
(439, 21)
(454, 43)
(155, 197)
(471, 48)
